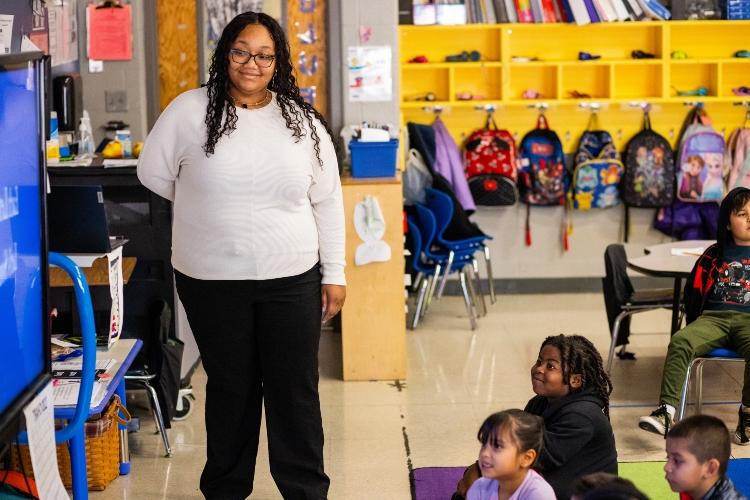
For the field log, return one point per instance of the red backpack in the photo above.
(490, 165)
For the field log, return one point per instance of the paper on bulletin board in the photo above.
(63, 31)
(40, 428)
(114, 259)
(369, 71)
(110, 33)
(6, 32)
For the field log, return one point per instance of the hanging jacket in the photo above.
(578, 439)
(449, 164)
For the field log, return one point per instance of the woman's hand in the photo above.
(332, 299)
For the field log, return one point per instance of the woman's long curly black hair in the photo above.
(221, 114)
(579, 356)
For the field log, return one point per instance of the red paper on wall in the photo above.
(110, 33)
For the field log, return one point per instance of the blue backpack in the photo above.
(598, 170)
(542, 176)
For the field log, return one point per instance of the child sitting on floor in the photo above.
(605, 486)
(573, 391)
(717, 307)
(511, 441)
(698, 451)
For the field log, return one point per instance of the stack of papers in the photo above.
(65, 390)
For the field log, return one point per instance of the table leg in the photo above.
(676, 306)
(77, 448)
(124, 449)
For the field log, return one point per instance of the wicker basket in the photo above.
(102, 450)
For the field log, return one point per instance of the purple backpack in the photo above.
(700, 169)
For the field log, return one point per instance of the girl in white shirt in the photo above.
(258, 253)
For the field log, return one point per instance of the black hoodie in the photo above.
(578, 439)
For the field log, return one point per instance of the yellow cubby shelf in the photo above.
(616, 82)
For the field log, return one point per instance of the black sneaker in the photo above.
(743, 427)
(658, 422)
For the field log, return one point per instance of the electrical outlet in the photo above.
(116, 101)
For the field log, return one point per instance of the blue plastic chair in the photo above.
(73, 432)
(431, 263)
(697, 363)
(441, 206)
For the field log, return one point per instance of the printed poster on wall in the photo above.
(369, 70)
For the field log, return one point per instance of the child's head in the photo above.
(602, 485)
(568, 363)
(698, 450)
(734, 225)
(511, 442)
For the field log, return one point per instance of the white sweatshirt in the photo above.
(260, 207)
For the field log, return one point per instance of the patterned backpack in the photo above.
(737, 158)
(542, 176)
(700, 176)
(598, 170)
(649, 180)
(490, 165)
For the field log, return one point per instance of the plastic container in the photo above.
(123, 137)
(373, 159)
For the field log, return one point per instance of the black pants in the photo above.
(259, 342)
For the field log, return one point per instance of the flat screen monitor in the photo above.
(24, 340)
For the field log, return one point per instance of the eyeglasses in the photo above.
(243, 57)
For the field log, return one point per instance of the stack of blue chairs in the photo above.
(434, 258)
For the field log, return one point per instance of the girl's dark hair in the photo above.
(221, 114)
(579, 356)
(732, 203)
(525, 430)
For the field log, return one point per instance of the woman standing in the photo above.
(258, 250)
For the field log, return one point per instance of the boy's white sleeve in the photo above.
(159, 161)
(328, 209)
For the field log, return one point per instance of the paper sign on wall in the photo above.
(110, 33)
(370, 74)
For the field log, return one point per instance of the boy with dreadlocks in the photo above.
(572, 396)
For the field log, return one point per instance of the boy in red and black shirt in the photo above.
(717, 309)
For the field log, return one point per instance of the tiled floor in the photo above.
(377, 431)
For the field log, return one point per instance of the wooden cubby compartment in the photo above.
(688, 76)
(637, 81)
(420, 79)
(589, 78)
(539, 77)
(483, 82)
(733, 75)
(437, 42)
(712, 40)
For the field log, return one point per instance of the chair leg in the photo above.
(615, 335)
(685, 390)
(477, 287)
(433, 285)
(467, 300)
(698, 386)
(490, 278)
(158, 417)
(420, 303)
(444, 280)
(417, 281)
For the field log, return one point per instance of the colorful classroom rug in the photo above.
(439, 483)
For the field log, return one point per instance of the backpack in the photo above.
(490, 165)
(701, 161)
(542, 176)
(597, 172)
(737, 158)
(649, 180)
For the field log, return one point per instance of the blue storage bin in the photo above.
(373, 159)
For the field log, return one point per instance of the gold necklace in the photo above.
(266, 99)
